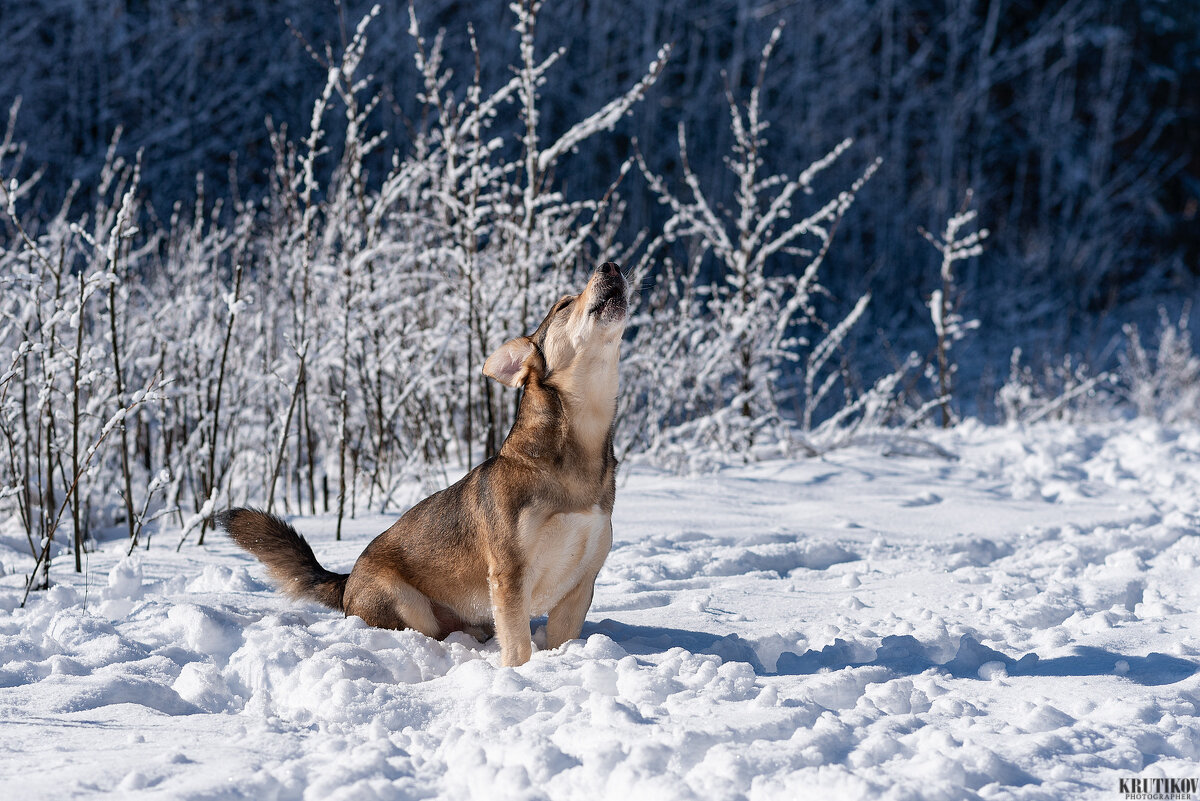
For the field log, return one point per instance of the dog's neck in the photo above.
(571, 408)
(588, 388)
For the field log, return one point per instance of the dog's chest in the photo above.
(560, 551)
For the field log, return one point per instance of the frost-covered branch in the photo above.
(948, 324)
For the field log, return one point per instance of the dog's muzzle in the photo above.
(611, 293)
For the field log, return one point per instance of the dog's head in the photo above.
(579, 339)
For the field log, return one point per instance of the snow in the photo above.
(1018, 622)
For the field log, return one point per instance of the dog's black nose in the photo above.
(609, 269)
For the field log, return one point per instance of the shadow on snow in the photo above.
(902, 655)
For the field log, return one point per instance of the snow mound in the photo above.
(125, 579)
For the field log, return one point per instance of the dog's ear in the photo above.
(511, 362)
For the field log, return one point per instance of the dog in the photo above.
(524, 533)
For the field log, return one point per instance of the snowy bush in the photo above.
(1065, 390)
(72, 419)
(949, 325)
(719, 339)
(1162, 382)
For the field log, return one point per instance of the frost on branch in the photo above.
(949, 326)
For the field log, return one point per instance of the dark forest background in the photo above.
(1074, 122)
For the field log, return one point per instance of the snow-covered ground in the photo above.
(1022, 621)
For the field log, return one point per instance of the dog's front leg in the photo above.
(510, 609)
(566, 618)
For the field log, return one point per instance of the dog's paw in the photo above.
(481, 632)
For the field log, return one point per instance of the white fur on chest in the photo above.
(560, 552)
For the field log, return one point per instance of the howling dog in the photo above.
(524, 533)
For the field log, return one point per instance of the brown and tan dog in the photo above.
(524, 533)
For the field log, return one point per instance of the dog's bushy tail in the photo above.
(287, 555)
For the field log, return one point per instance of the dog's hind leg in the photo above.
(390, 602)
